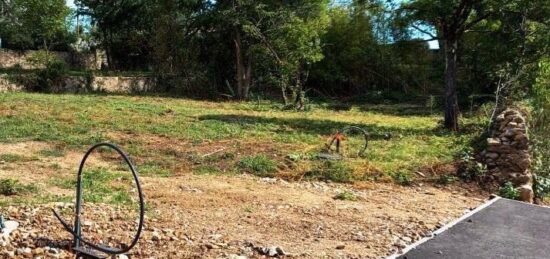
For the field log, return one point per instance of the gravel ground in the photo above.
(247, 217)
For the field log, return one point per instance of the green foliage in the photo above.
(36, 24)
(259, 165)
(540, 130)
(469, 169)
(346, 196)
(402, 178)
(335, 171)
(508, 191)
(9, 187)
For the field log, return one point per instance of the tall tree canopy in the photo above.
(35, 24)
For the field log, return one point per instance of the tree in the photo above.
(451, 20)
(123, 28)
(35, 23)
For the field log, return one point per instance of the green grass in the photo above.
(101, 186)
(261, 134)
(259, 165)
(11, 158)
(54, 152)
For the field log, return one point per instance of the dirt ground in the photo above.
(236, 216)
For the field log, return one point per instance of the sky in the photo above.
(70, 3)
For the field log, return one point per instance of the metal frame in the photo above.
(343, 132)
(76, 232)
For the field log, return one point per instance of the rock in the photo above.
(493, 141)
(156, 236)
(492, 155)
(122, 257)
(273, 251)
(39, 251)
(340, 247)
(234, 256)
(526, 193)
(24, 251)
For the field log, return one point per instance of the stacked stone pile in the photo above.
(507, 155)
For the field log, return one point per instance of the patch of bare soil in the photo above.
(192, 216)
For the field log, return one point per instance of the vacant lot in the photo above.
(199, 161)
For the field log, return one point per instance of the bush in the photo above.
(509, 191)
(51, 78)
(469, 169)
(259, 165)
(51, 72)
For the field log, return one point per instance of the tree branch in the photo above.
(423, 31)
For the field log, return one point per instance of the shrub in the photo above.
(509, 191)
(336, 171)
(51, 72)
(259, 165)
(52, 77)
(402, 178)
(469, 169)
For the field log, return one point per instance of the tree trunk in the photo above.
(451, 100)
(239, 65)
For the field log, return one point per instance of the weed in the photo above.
(509, 191)
(259, 165)
(9, 187)
(336, 171)
(345, 196)
(469, 169)
(402, 178)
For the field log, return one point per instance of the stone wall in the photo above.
(82, 84)
(7, 84)
(84, 61)
(507, 155)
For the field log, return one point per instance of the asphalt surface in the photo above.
(504, 229)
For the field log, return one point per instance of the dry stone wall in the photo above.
(507, 155)
(81, 84)
(85, 61)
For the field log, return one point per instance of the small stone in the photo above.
(493, 141)
(340, 247)
(24, 251)
(406, 239)
(156, 236)
(526, 193)
(122, 257)
(492, 155)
